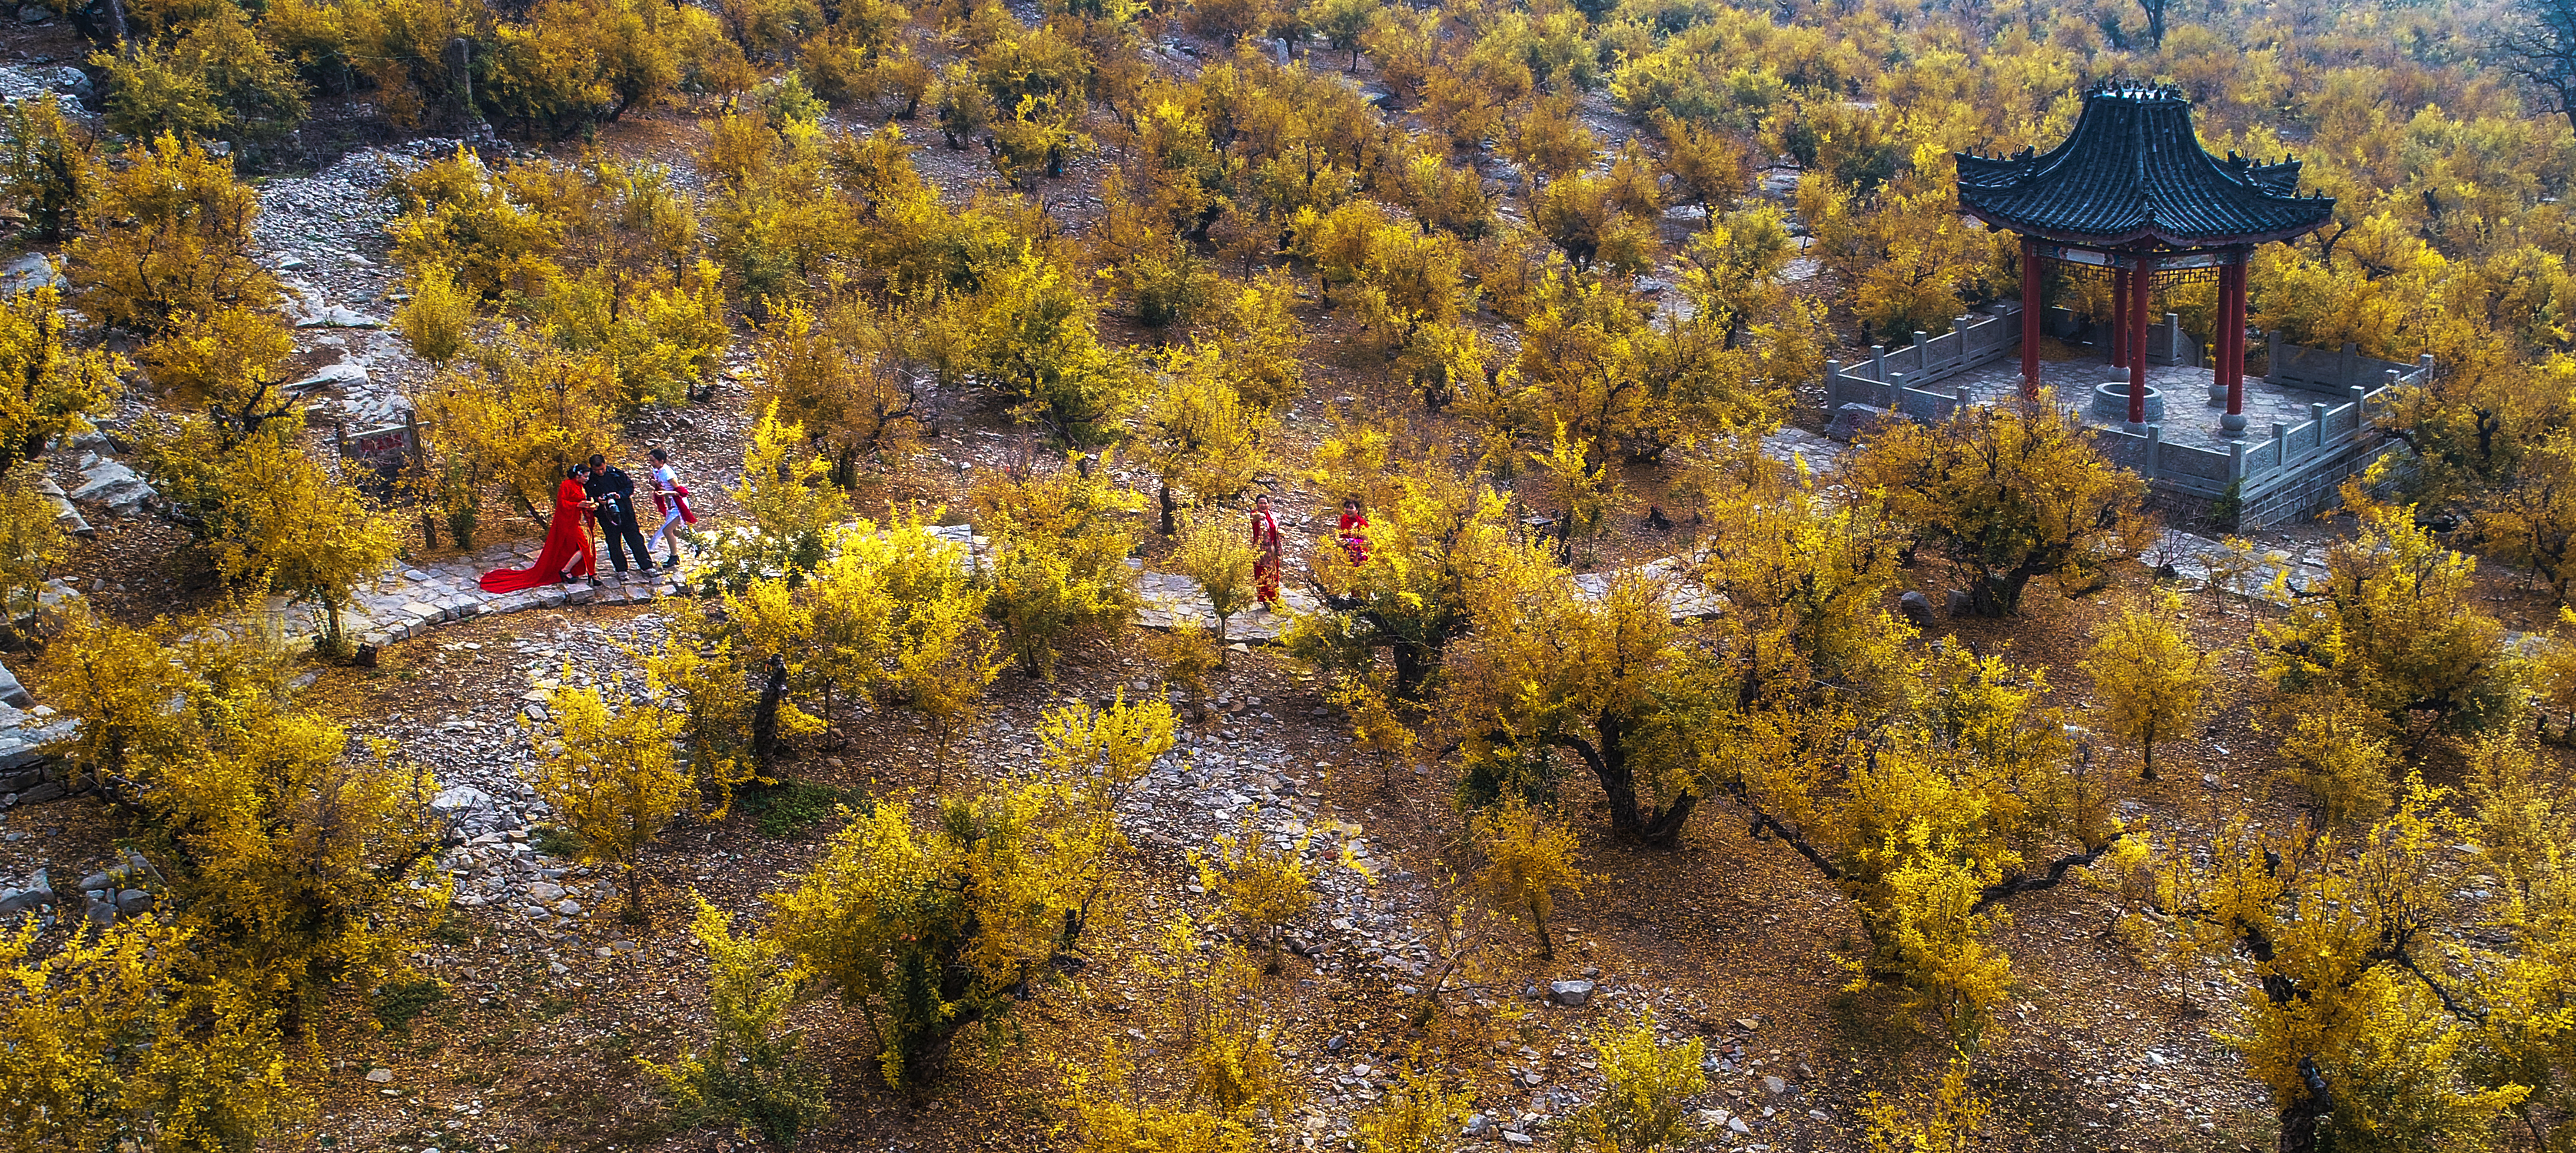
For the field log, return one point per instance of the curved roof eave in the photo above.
(2164, 236)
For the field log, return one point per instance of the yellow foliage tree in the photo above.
(1111, 1116)
(2148, 676)
(1377, 717)
(1903, 247)
(213, 77)
(519, 411)
(112, 1041)
(2359, 1041)
(2006, 495)
(1199, 436)
(1429, 534)
(1932, 920)
(461, 216)
(946, 658)
(226, 358)
(927, 929)
(698, 674)
(1929, 812)
(2393, 627)
(1804, 570)
(1949, 1117)
(1613, 681)
(610, 776)
(269, 514)
(1418, 1115)
(1528, 858)
(787, 492)
(53, 388)
(170, 233)
(1058, 561)
(1216, 552)
(299, 867)
(1229, 1041)
(1264, 886)
(1036, 340)
(47, 170)
(439, 318)
(2339, 750)
(31, 542)
(835, 375)
(1646, 1088)
(1098, 755)
(298, 858)
(753, 1070)
(120, 682)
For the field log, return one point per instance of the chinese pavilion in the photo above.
(2131, 193)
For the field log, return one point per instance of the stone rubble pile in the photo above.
(23, 82)
(324, 235)
(30, 272)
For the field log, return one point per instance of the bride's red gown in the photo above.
(567, 551)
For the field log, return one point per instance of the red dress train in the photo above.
(567, 552)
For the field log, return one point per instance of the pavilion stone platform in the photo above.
(2307, 421)
(2190, 417)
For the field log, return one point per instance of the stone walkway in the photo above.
(1789, 445)
(2194, 559)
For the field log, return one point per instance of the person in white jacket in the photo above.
(672, 499)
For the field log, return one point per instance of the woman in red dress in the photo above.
(1265, 541)
(567, 553)
(1354, 532)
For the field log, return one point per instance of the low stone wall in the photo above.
(2313, 489)
(2333, 372)
(2169, 345)
(1901, 380)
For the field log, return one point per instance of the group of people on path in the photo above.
(1271, 552)
(599, 493)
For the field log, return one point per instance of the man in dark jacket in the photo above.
(616, 496)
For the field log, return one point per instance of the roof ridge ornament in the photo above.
(2121, 86)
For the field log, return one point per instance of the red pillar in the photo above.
(2031, 306)
(2119, 317)
(2137, 325)
(2231, 356)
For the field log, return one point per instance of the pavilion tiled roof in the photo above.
(2134, 171)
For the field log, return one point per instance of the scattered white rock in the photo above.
(28, 273)
(344, 375)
